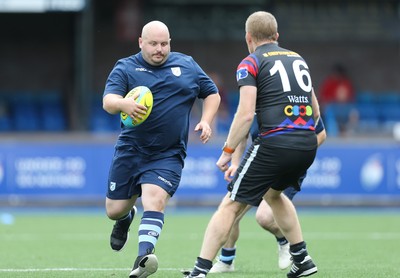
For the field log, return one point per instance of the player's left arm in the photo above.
(315, 106)
(210, 109)
(321, 132)
(319, 124)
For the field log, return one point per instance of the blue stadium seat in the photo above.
(390, 116)
(52, 118)
(52, 112)
(24, 112)
(389, 98)
(101, 121)
(5, 123)
(366, 97)
(336, 117)
(5, 120)
(340, 111)
(389, 113)
(369, 117)
(26, 117)
(331, 125)
(368, 112)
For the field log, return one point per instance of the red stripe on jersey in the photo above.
(284, 128)
(273, 130)
(250, 64)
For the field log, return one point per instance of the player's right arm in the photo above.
(236, 158)
(115, 90)
(114, 104)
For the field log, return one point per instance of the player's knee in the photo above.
(116, 210)
(113, 214)
(265, 220)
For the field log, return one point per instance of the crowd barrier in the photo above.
(60, 172)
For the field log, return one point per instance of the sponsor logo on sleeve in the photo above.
(241, 73)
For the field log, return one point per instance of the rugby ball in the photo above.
(145, 98)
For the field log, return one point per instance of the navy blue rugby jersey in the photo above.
(175, 86)
(284, 96)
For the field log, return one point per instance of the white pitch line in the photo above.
(247, 235)
(338, 235)
(74, 269)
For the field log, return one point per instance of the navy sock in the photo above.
(149, 230)
(125, 221)
(201, 266)
(281, 240)
(227, 255)
(298, 251)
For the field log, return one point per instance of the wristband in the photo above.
(226, 149)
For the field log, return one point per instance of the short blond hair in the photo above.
(262, 26)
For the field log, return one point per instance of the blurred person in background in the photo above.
(149, 158)
(337, 87)
(335, 93)
(274, 83)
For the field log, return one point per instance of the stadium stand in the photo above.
(52, 112)
(372, 113)
(101, 121)
(26, 111)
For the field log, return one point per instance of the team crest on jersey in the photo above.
(176, 71)
(112, 186)
(241, 74)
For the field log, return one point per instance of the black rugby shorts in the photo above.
(265, 167)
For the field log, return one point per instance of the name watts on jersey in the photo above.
(298, 99)
(300, 108)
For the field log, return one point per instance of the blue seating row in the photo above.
(101, 121)
(47, 112)
(382, 98)
(28, 112)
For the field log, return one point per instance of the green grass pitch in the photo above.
(343, 243)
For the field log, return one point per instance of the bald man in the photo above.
(149, 158)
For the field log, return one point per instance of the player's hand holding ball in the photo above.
(143, 98)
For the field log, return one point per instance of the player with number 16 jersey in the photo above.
(284, 93)
(275, 84)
